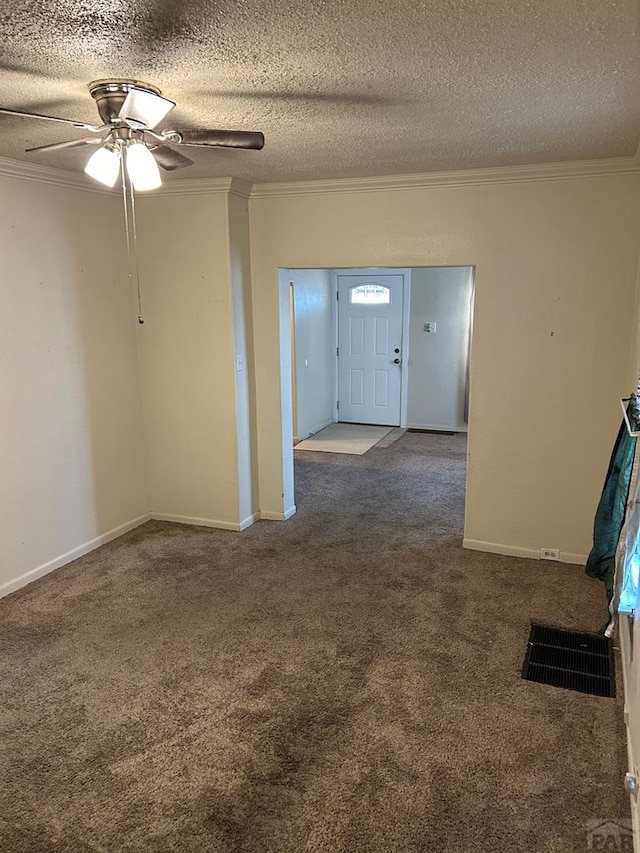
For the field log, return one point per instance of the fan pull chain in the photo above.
(132, 236)
(135, 253)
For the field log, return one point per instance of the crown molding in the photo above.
(467, 177)
(241, 188)
(79, 181)
(202, 186)
(380, 183)
(50, 176)
(192, 186)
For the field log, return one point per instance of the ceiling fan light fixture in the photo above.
(104, 165)
(142, 167)
(144, 108)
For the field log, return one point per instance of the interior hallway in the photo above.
(344, 682)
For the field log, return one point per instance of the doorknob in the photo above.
(396, 361)
(396, 350)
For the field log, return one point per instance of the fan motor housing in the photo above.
(109, 95)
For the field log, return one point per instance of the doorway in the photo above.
(339, 347)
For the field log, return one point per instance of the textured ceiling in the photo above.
(339, 87)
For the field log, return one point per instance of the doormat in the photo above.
(570, 659)
(345, 438)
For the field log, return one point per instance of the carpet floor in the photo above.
(345, 682)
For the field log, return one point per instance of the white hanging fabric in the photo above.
(626, 583)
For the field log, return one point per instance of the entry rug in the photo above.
(345, 438)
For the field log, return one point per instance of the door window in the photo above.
(369, 293)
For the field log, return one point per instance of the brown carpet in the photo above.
(347, 681)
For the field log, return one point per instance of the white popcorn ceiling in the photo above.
(339, 87)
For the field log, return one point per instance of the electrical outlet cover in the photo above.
(549, 554)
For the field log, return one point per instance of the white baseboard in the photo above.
(277, 516)
(225, 525)
(438, 427)
(201, 522)
(574, 559)
(63, 559)
(249, 520)
(516, 551)
(51, 565)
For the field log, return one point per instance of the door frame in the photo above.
(406, 343)
(283, 331)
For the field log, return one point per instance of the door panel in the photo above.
(356, 387)
(381, 385)
(369, 342)
(356, 336)
(382, 336)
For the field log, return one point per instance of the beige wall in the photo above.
(555, 286)
(438, 360)
(554, 320)
(240, 272)
(187, 358)
(71, 447)
(80, 461)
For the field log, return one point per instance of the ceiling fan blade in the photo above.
(222, 138)
(169, 159)
(142, 108)
(74, 143)
(11, 112)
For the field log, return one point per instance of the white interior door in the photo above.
(370, 317)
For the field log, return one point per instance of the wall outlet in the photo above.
(430, 327)
(549, 554)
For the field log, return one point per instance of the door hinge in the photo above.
(337, 404)
(338, 295)
(337, 351)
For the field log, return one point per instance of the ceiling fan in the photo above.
(130, 146)
(130, 111)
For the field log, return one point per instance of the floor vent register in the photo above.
(570, 659)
